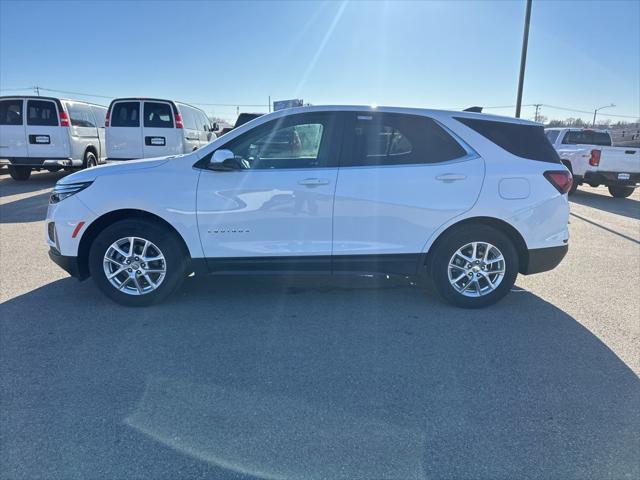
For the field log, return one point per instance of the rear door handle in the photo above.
(451, 177)
(313, 182)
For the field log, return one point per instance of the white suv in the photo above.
(467, 198)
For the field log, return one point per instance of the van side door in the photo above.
(13, 143)
(99, 115)
(191, 134)
(45, 137)
(84, 133)
(160, 136)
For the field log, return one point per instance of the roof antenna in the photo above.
(473, 109)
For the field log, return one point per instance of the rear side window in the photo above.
(526, 141)
(205, 124)
(80, 115)
(11, 112)
(552, 135)
(189, 118)
(158, 115)
(100, 114)
(587, 137)
(41, 112)
(397, 139)
(126, 114)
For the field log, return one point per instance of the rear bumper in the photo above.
(611, 178)
(545, 259)
(36, 162)
(68, 264)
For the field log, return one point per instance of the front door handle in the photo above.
(451, 177)
(314, 182)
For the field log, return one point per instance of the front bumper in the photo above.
(544, 259)
(68, 264)
(36, 162)
(611, 179)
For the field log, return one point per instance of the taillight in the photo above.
(106, 119)
(594, 161)
(64, 119)
(561, 179)
(179, 121)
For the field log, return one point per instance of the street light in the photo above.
(523, 57)
(596, 111)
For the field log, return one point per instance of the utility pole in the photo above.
(523, 57)
(537, 105)
(37, 90)
(596, 111)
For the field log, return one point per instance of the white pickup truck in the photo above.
(588, 154)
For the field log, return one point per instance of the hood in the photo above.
(91, 174)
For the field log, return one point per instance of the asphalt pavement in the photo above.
(322, 378)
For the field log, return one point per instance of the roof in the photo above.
(54, 99)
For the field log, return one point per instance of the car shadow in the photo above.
(261, 377)
(28, 209)
(627, 207)
(37, 181)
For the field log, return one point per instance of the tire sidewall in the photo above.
(451, 242)
(173, 252)
(90, 160)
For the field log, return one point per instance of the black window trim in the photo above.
(470, 153)
(333, 143)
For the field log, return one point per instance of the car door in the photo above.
(45, 138)
(124, 133)
(279, 201)
(401, 177)
(159, 135)
(13, 143)
(99, 114)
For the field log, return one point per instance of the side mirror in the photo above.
(222, 160)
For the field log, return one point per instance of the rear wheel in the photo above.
(621, 192)
(19, 173)
(137, 262)
(474, 266)
(90, 160)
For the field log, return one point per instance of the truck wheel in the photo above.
(90, 160)
(474, 266)
(621, 192)
(137, 262)
(19, 173)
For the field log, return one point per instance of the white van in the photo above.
(150, 127)
(49, 133)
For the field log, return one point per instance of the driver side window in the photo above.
(298, 141)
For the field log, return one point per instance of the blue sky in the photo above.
(426, 54)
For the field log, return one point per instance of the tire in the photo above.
(621, 192)
(162, 242)
(466, 235)
(90, 160)
(19, 173)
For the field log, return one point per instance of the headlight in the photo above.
(60, 192)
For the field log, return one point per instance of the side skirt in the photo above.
(394, 264)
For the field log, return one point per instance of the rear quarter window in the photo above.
(11, 112)
(126, 114)
(80, 115)
(42, 112)
(525, 141)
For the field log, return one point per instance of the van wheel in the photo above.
(621, 192)
(137, 263)
(90, 160)
(474, 266)
(19, 173)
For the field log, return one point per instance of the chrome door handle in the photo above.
(451, 177)
(313, 182)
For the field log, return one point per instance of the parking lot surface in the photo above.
(314, 378)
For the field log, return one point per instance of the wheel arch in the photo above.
(102, 222)
(92, 149)
(504, 227)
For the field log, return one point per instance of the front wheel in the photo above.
(137, 263)
(19, 173)
(474, 266)
(621, 192)
(90, 160)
